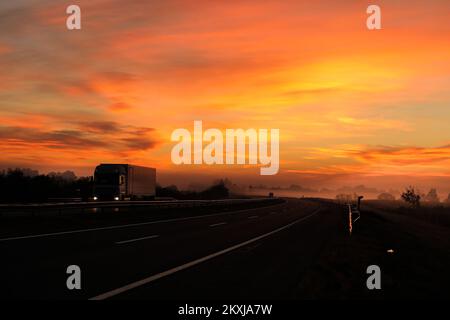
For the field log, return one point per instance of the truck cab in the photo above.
(110, 182)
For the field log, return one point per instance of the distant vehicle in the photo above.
(124, 182)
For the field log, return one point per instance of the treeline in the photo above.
(25, 186)
(28, 186)
(217, 191)
(411, 195)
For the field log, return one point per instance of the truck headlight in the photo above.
(116, 198)
(95, 198)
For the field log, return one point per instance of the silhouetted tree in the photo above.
(432, 196)
(217, 191)
(411, 196)
(26, 185)
(169, 191)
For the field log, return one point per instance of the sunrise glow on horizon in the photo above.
(353, 106)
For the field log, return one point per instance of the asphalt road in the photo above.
(252, 253)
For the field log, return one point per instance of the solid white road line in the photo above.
(166, 273)
(42, 235)
(138, 239)
(217, 224)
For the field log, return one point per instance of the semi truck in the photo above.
(124, 182)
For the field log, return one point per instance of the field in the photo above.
(416, 266)
(438, 214)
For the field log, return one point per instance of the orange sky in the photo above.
(353, 106)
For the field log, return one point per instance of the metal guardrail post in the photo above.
(351, 212)
(350, 221)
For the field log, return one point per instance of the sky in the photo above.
(353, 106)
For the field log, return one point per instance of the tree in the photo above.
(411, 196)
(432, 196)
(169, 191)
(217, 191)
(27, 185)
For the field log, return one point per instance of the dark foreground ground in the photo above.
(297, 249)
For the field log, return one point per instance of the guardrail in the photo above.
(59, 208)
(353, 216)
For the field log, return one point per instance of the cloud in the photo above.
(375, 123)
(103, 135)
(403, 156)
(100, 126)
(138, 143)
(365, 160)
(52, 139)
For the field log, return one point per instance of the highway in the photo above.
(251, 253)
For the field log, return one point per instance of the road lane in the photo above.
(190, 264)
(120, 226)
(218, 224)
(138, 239)
(17, 227)
(273, 268)
(107, 266)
